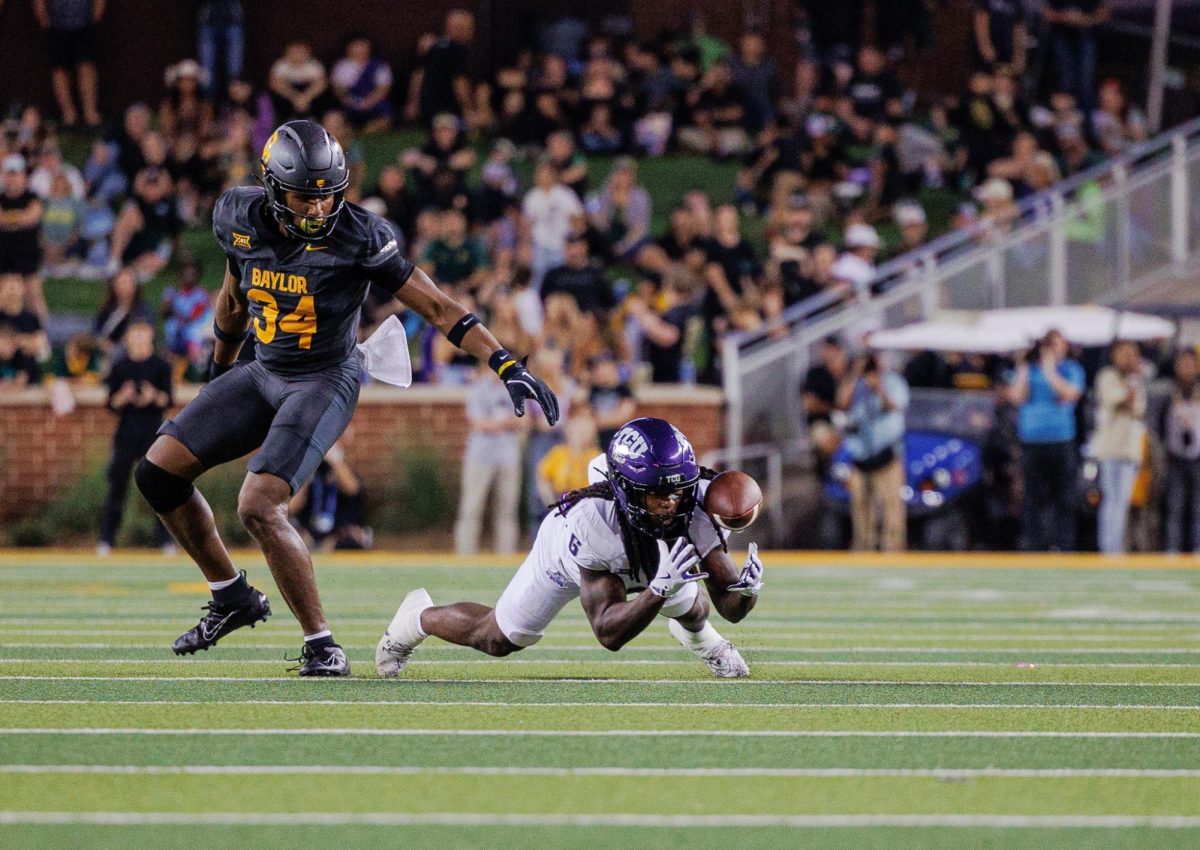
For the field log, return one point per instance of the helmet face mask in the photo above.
(302, 159)
(650, 458)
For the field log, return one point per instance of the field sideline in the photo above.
(912, 701)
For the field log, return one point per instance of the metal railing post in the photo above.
(931, 289)
(1179, 202)
(731, 377)
(1058, 250)
(1124, 228)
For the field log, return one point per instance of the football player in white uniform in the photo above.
(632, 547)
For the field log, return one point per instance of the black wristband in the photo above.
(226, 336)
(500, 361)
(456, 333)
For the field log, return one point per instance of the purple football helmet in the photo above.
(650, 456)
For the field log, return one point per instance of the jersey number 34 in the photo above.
(301, 321)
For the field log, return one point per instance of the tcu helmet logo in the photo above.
(628, 442)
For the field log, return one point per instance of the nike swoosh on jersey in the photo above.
(311, 247)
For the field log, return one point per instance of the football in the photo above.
(734, 500)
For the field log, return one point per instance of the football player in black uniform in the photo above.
(300, 261)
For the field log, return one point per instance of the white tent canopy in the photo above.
(999, 331)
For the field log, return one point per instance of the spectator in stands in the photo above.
(297, 83)
(1073, 26)
(580, 278)
(571, 164)
(546, 215)
(334, 122)
(874, 399)
(620, 212)
(714, 119)
(17, 317)
(71, 27)
(139, 392)
(914, 227)
(220, 43)
(874, 90)
(756, 76)
(61, 223)
(328, 509)
(123, 305)
(1117, 442)
(102, 176)
(20, 227)
(610, 399)
(551, 363)
(491, 466)
(565, 467)
(362, 83)
(442, 81)
(1001, 34)
(17, 369)
(820, 394)
(664, 330)
(136, 125)
(1116, 123)
(187, 315)
(1045, 388)
(50, 165)
(455, 257)
(185, 110)
(1178, 426)
(856, 265)
(80, 361)
(599, 135)
(145, 232)
(446, 152)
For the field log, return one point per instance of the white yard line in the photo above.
(459, 819)
(496, 704)
(726, 683)
(588, 733)
(1174, 649)
(785, 772)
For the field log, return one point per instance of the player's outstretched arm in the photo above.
(232, 318)
(466, 331)
(614, 620)
(733, 593)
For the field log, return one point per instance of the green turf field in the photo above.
(897, 707)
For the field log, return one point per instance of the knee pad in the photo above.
(164, 491)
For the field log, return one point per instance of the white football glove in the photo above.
(750, 581)
(675, 567)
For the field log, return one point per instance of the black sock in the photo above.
(234, 593)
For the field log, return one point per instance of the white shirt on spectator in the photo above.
(855, 270)
(41, 178)
(549, 213)
(346, 71)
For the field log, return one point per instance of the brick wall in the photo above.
(42, 455)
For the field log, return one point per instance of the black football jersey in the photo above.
(305, 297)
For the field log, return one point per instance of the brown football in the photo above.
(734, 499)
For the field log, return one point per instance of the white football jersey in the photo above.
(589, 537)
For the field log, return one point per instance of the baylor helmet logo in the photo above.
(266, 154)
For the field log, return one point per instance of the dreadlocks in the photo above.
(641, 549)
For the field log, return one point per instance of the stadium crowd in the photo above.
(526, 197)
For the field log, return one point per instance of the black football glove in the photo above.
(522, 384)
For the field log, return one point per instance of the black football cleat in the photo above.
(221, 620)
(327, 660)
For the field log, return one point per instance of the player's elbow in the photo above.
(611, 642)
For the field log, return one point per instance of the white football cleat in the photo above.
(403, 635)
(725, 661)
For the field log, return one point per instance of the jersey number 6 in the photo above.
(302, 321)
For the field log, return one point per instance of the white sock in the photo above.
(221, 585)
(322, 634)
(421, 629)
(705, 640)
